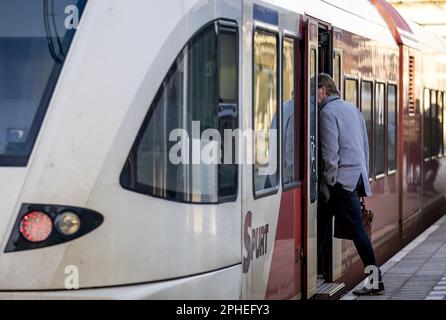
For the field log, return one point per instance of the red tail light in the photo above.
(36, 226)
(43, 225)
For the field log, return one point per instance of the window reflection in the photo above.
(427, 124)
(391, 129)
(265, 110)
(379, 129)
(33, 45)
(351, 91)
(189, 101)
(288, 117)
(366, 106)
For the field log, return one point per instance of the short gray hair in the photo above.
(325, 80)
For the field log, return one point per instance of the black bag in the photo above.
(367, 220)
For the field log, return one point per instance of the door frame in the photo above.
(310, 201)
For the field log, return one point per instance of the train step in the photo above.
(330, 291)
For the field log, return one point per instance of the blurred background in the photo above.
(429, 14)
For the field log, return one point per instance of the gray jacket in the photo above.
(344, 144)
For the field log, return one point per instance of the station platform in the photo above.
(418, 271)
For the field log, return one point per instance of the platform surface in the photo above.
(418, 271)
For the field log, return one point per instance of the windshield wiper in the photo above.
(59, 55)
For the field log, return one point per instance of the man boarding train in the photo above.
(345, 157)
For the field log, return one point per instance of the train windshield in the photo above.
(35, 36)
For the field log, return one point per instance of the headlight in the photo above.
(67, 223)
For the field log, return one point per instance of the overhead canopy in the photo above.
(399, 21)
(427, 13)
(397, 24)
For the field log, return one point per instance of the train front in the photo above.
(76, 80)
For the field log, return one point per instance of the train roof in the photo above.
(374, 19)
(356, 16)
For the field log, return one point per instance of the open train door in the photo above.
(310, 168)
(319, 271)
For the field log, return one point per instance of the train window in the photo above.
(351, 91)
(290, 116)
(313, 126)
(366, 108)
(227, 114)
(265, 113)
(435, 143)
(337, 70)
(379, 129)
(427, 124)
(444, 121)
(31, 60)
(391, 127)
(228, 66)
(177, 153)
(440, 123)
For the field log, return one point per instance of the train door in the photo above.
(285, 275)
(318, 233)
(260, 170)
(272, 182)
(324, 220)
(310, 182)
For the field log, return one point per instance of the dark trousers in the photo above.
(347, 208)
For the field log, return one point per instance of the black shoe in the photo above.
(370, 292)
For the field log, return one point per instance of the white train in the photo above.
(89, 198)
